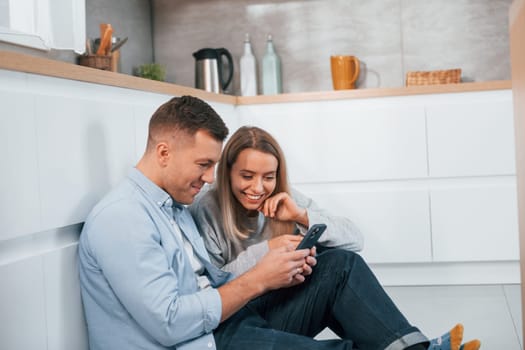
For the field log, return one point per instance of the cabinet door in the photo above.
(345, 141)
(471, 139)
(22, 300)
(394, 222)
(65, 322)
(476, 223)
(20, 196)
(79, 167)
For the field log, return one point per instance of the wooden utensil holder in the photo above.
(96, 61)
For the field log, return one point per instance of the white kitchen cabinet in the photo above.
(142, 114)
(66, 327)
(403, 169)
(474, 138)
(475, 222)
(22, 298)
(79, 166)
(394, 221)
(336, 142)
(19, 188)
(44, 25)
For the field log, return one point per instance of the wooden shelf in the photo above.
(36, 65)
(379, 92)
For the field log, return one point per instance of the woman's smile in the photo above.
(253, 177)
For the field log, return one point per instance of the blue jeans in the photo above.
(342, 293)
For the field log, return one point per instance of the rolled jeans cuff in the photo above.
(407, 340)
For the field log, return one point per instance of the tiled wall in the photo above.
(390, 37)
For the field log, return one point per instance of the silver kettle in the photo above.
(209, 72)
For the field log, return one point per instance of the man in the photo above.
(147, 282)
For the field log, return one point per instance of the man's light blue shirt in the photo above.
(138, 287)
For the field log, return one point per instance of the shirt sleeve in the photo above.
(129, 253)
(340, 232)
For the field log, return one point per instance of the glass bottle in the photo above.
(248, 73)
(271, 66)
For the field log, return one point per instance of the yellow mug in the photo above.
(345, 71)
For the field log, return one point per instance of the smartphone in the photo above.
(312, 236)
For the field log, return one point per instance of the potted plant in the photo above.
(153, 71)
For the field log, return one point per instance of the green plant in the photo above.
(153, 71)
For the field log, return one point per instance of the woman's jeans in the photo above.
(342, 293)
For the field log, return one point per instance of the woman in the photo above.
(252, 209)
(244, 216)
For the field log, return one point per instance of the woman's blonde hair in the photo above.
(248, 137)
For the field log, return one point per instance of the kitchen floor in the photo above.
(491, 313)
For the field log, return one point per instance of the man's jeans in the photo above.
(342, 293)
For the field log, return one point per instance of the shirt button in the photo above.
(210, 344)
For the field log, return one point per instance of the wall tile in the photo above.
(390, 37)
(305, 34)
(471, 35)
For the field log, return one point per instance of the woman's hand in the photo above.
(284, 241)
(282, 207)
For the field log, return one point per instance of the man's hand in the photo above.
(279, 268)
(293, 241)
(282, 267)
(309, 262)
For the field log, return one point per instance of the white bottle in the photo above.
(248, 70)
(271, 67)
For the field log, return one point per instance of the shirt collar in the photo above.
(152, 190)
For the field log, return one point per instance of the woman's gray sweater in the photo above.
(240, 255)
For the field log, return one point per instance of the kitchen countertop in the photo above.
(36, 65)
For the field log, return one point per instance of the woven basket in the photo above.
(95, 61)
(449, 76)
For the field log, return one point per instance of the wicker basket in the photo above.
(450, 76)
(95, 61)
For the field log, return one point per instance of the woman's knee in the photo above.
(339, 255)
